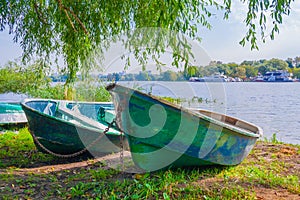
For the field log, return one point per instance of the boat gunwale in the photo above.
(179, 108)
(12, 123)
(23, 103)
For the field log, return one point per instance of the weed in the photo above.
(273, 139)
(78, 190)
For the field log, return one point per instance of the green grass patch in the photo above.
(18, 150)
(270, 166)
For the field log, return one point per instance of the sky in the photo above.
(221, 43)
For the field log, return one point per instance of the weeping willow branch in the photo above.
(78, 20)
(39, 14)
(66, 10)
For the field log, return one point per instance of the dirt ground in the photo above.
(283, 153)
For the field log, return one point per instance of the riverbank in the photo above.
(271, 171)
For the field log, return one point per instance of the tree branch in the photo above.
(61, 7)
(39, 14)
(66, 10)
(78, 20)
(70, 20)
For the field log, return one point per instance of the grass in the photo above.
(272, 168)
(195, 99)
(18, 150)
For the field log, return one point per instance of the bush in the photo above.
(34, 82)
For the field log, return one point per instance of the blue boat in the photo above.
(68, 129)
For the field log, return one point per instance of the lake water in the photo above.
(12, 97)
(275, 107)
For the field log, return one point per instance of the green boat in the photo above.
(11, 114)
(67, 129)
(163, 135)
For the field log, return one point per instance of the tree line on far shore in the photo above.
(245, 71)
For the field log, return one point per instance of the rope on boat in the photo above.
(76, 153)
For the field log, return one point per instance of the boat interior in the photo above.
(231, 121)
(87, 114)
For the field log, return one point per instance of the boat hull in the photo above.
(11, 114)
(161, 134)
(67, 137)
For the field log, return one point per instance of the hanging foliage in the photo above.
(50, 29)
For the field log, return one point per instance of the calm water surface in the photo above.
(273, 106)
(12, 97)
